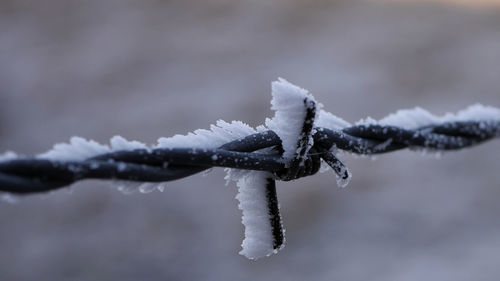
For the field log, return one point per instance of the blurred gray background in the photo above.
(150, 68)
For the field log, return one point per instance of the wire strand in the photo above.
(31, 175)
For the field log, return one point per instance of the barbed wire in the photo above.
(294, 149)
(31, 175)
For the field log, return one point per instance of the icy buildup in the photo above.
(120, 143)
(126, 187)
(478, 112)
(218, 135)
(148, 187)
(289, 103)
(330, 121)
(252, 196)
(76, 150)
(7, 197)
(234, 175)
(342, 180)
(409, 118)
(418, 117)
(130, 187)
(9, 155)
(80, 149)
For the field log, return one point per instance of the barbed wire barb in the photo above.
(296, 140)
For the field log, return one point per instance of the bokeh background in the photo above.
(150, 68)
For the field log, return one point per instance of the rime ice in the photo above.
(9, 155)
(330, 121)
(77, 149)
(120, 143)
(253, 200)
(418, 117)
(297, 117)
(218, 135)
(290, 105)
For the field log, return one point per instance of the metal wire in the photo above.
(260, 152)
(31, 175)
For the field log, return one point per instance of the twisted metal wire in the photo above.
(32, 175)
(260, 152)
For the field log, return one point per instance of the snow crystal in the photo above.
(9, 155)
(77, 149)
(218, 135)
(324, 167)
(161, 186)
(80, 149)
(290, 111)
(206, 172)
(410, 118)
(9, 197)
(127, 187)
(148, 187)
(120, 143)
(330, 121)
(252, 196)
(130, 187)
(418, 117)
(343, 181)
(478, 112)
(235, 175)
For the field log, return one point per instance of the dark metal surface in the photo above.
(30, 175)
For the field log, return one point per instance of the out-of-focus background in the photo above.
(146, 69)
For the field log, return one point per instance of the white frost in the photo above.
(126, 187)
(218, 135)
(120, 143)
(130, 187)
(418, 117)
(9, 198)
(330, 121)
(8, 155)
(478, 112)
(148, 187)
(290, 111)
(258, 240)
(77, 149)
(80, 149)
(341, 181)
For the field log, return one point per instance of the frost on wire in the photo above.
(291, 105)
(298, 121)
(293, 122)
(264, 234)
